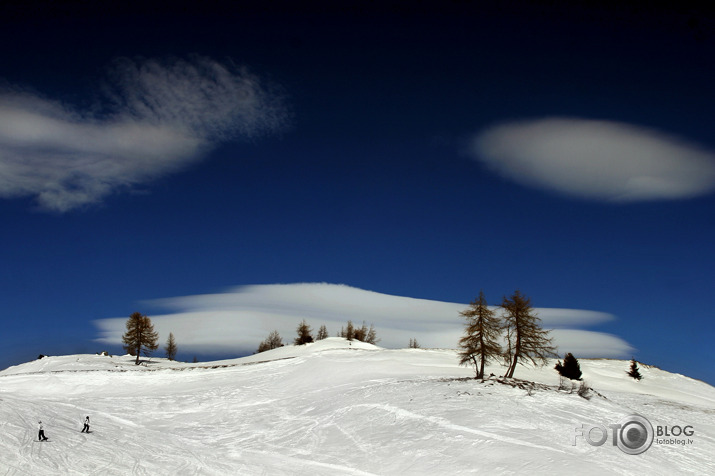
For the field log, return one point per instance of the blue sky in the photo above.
(425, 153)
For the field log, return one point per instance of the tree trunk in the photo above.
(482, 356)
(510, 372)
(517, 351)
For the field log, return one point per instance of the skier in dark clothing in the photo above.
(41, 435)
(86, 426)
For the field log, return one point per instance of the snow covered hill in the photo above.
(333, 408)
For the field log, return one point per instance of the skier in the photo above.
(41, 435)
(86, 425)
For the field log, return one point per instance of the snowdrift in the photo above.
(335, 407)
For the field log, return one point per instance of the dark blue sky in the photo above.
(369, 178)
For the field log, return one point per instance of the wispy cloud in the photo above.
(238, 320)
(599, 160)
(157, 117)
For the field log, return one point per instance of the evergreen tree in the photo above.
(634, 372)
(570, 368)
(525, 337)
(170, 347)
(140, 336)
(305, 334)
(273, 341)
(322, 333)
(414, 344)
(479, 344)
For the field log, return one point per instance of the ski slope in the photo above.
(336, 408)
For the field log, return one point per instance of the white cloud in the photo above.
(597, 160)
(161, 116)
(589, 343)
(238, 320)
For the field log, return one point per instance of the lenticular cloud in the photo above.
(598, 160)
(157, 117)
(238, 320)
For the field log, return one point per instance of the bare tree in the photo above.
(414, 344)
(348, 333)
(140, 336)
(170, 347)
(322, 333)
(273, 341)
(479, 343)
(526, 339)
(360, 332)
(371, 337)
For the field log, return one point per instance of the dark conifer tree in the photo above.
(525, 337)
(322, 333)
(479, 343)
(634, 372)
(140, 336)
(570, 368)
(305, 334)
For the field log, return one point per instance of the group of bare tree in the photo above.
(305, 335)
(141, 338)
(273, 341)
(516, 324)
(363, 333)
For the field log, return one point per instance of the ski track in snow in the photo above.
(335, 411)
(402, 413)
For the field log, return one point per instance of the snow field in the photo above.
(334, 409)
